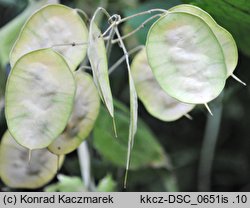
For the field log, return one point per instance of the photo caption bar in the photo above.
(122, 199)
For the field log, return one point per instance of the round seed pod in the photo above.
(54, 26)
(186, 58)
(39, 98)
(157, 102)
(81, 122)
(17, 172)
(225, 39)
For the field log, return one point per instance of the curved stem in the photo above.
(117, 22)
(107, 30)
(137, 29)
(123, 58)
(141, 13)
(102, 10)
(109, 44)
(209, 145)
(83, 14)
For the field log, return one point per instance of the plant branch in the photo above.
(118, 21)
(104, 11)
(137, 29)
(117, 63)
(209, 145)
(109, 44)
(111, 26)
(83, 14)
(142, 13)
(85, 165)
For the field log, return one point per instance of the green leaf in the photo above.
(66, 184)
(232, 15)
(107, 184)
(55, 26)
(186, 58)
(99, 64)
(40, 93)
(157, 102)
(17, 172)
(146, 152)
(85, 111)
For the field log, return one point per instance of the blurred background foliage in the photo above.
(206, 153)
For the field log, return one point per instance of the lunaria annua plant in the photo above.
(52, 103)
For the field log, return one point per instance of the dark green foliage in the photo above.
(234, 15)
(147, 152)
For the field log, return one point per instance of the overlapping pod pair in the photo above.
(48, 104)
(191, 57)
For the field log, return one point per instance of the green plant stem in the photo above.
(209, 145)
(119, 21)
(107, 30)
(137, 29)
(109, 44)
(123, 58)
(83, 14)
(100, 9)
(85, 165)
(141, 13)
(113, 21)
